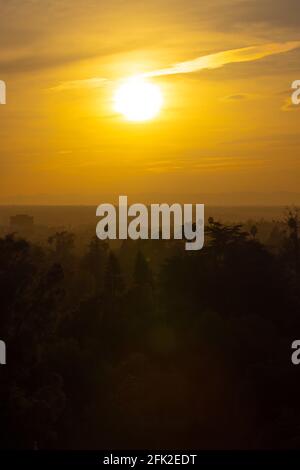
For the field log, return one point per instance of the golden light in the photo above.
(138, 99)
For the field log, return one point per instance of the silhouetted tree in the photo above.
(63, 243)
(142, 272)
(113, 283)
(95, 261)
(292, 220)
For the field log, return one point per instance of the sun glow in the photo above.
(138, 99)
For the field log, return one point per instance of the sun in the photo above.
(138, 100)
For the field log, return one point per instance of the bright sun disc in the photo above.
(138, 100)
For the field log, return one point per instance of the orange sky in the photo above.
(227, 131)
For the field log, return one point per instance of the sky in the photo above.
(227, 131)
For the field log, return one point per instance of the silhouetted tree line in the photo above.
(150, 345)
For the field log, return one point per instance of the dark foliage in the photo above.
(149, 345)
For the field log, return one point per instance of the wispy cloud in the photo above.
(211, 61)
(210, 163)
(219, 59)
(95, 82)
(236, 97)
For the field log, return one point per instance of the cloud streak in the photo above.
(95, 82)
(211, 61)
(219, 59)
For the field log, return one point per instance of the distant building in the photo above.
(21, 222)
